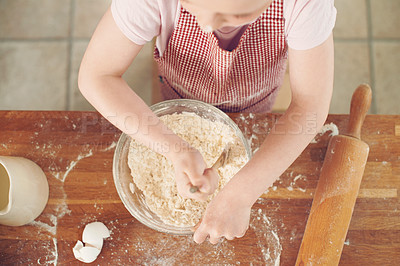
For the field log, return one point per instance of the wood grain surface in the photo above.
(75, 150)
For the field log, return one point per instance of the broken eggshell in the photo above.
(85, 254)
(94, 233)
(92, 236)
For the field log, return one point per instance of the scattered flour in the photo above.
(327, 127)
(164, 252)
(252, 139)
(297, 178)
(54, 253)
(52, 257)
(252, 129)
(59, 212)
(267, 238)
(266, 247)
(49, 221)
(301, 189)
(291, 187)
(51, 227)
(73, 163)
(112, 146)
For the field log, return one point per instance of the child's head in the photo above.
(216, 14)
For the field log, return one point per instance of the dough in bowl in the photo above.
(153, 174)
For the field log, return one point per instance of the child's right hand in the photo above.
(191, 170)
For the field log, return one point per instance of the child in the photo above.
(230, 54)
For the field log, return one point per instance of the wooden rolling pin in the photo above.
(337, 189)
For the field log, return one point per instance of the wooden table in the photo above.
(75, 150)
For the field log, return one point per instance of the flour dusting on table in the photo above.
(267, 237)
(264, 240)
(327, 127)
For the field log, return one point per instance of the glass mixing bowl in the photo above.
(131, 196)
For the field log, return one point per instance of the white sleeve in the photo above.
(139, 20)
(308, 22)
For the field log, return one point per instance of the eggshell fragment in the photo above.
(85, 254)
(92, 236)
(94, 233)
(76, 249)
(93, 241)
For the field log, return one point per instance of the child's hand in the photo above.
(226, 216)
(191, 170)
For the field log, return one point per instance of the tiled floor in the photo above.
(42, 43)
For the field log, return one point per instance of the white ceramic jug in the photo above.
(24, 190)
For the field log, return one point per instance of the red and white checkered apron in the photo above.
(193, 66)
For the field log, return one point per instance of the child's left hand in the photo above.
(226, 216)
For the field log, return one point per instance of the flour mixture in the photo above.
(154, 174)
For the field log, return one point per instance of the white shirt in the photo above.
(308, 23)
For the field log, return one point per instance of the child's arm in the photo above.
(311, 77)
(107, 57)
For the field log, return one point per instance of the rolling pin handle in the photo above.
(360, 103)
